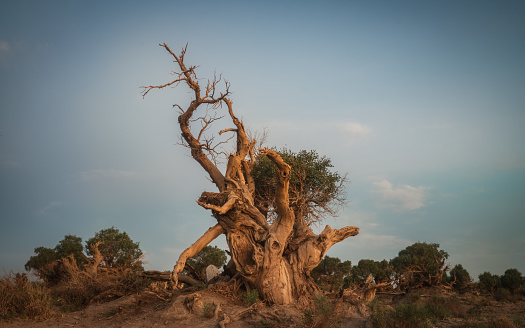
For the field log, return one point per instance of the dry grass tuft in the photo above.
(20, 298)
(81, 290)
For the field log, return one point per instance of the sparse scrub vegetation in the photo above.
(416, 312)
(68, 286)
(20, 298)
(322, 315)
(69, 280)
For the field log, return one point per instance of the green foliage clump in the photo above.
(420, 264)
(511, 279)
(379, 270)
(118, 250)
(331, 272)
(459, 278)
(207, 256)
(250, 297)
(208, 310)
(489, 282)
(503, 287)
(71, 244)
(315, 191)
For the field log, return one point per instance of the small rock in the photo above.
(211, 272)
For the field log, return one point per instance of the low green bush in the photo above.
(250, 297)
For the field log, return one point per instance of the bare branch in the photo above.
(149, 88)
(232, 198)
(191, 251)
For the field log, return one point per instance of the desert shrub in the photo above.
(411, 315)
(380, 315)
(414, 313)
(20, 298)
(420, 264)
(75, 293)
(322, 315)
(250, 297)
(133, 282)
(511, 279)
(442, 307)
(71, 244)
(208, 310)
(78, 291)
(459, 277)
(453, 307)
(489, 282)
(503, 295)
(118, 249)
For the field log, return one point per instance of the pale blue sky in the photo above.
(422, 103)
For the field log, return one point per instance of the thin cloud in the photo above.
(381, 242)
(8, 161)
(404, 197)
(49, 206)
(6, 52)
(354, 131)
(91, 175)
(172, 251)
(5, 47)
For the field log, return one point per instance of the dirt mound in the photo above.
(205, 308)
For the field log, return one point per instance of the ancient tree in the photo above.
(272, 249)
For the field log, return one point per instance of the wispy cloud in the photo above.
(91, 175)
(353, 131)
(172, 251)
(403, 197)
(49, 206)
(5, 47)
(8, 161)
(382, 242)
(6, 50)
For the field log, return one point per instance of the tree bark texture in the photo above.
(274, 257)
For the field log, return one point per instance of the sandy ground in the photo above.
(169, 309)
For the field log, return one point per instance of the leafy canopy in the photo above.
(459, 277)
(118, 250)
(71, 244)
(511, 279)
(331, 272)
(420, 264)
(315, 191)
(489, 282)
(379, 270)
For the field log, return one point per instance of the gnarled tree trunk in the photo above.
(274, 257)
